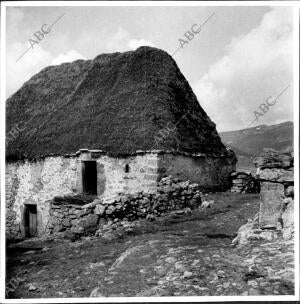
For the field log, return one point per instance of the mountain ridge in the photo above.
(250, 142)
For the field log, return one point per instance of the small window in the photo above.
(126, 168)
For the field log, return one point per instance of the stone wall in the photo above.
(64, 216)
(211, 173)
(112, 177)
(35, 183)
(11, 189)
(102, 214)
(276, 173)
(244, 182)
(38, 182)
(275, 218)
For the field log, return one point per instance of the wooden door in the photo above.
(32, 222)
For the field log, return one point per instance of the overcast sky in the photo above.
(241, 56)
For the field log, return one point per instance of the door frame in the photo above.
(27, 220)
(85, 180)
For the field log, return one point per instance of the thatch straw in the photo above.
(117, 103)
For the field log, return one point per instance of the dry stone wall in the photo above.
(276, 173)
(110, 213)
(275, 218)
(64, 216)
(244, 182)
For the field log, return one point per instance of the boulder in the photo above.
(277, 175)
(77, 230)
(59, 228)
(53, 221)
(251, 231)
(89, 223)
(110, 210)
(74, 222)
(96, 293)
(187, 274)
(207, 204)
(100, 209)
(79, 213)
(237, 181)
(58, 214)
(92, 204)
(274, 159)
(289, 191)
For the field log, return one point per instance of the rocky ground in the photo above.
(177, 255)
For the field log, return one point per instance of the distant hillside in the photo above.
(248, 143)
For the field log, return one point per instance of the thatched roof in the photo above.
(117, 103)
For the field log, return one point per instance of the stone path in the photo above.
(169, 268)
(188, 255)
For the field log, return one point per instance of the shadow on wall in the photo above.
(212, 174)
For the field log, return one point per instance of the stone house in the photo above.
(115, 124)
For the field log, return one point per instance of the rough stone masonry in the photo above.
(276, 215)
(172, 195)
(244, 182)
(276, 173)
(105, 134)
